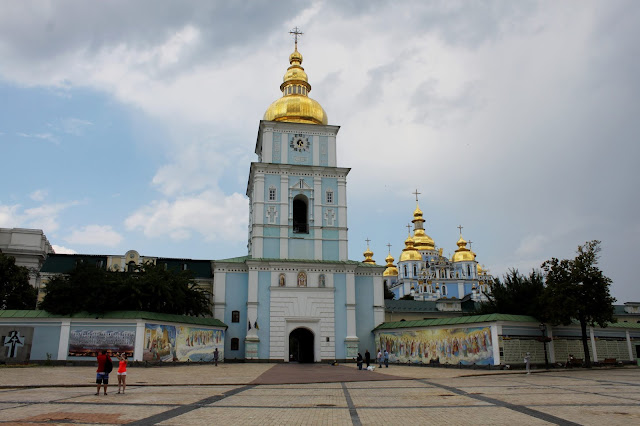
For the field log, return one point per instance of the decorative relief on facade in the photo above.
(282, 281)
(272, 215)
(329, 217)
(277, 141)
(302, 279)
(321, 281)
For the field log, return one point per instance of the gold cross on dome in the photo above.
(460, 228)
(368, 241)
(416, 194)
(296, 32)
(469, 244)
(389, 245)
(409, 228)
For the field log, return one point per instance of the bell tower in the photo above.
(297, 194)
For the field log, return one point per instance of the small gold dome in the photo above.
(409, 252)
(368, 256)
(421, 239)
(391, 270)
(295, 106)
(463, 254)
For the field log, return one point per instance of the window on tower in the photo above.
(329, 196)
(272, 193)
(300, 214)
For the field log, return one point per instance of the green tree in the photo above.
(577, 289)
(148, 288)
(388, 294)
(15, 290)
(516, 294)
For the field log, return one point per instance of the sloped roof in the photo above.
(410, 305)
(152, 316)
(243, 259)
(456, 321)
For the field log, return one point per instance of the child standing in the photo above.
(122, 373)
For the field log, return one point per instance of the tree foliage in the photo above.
(516, 294)
(149, 288)
(577, 289)
(15, 290)
(388, 294)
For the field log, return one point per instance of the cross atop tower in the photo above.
(416, 194)
(460, 228)
(469, 244)
(296, 32)
(409, 228)
(389, 245)
(368, 241)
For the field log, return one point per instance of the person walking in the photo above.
(386, 358)
(102, 376)
(216, 355)
(367, 357)
(527, 362)
(359, 361)
(379, 358)
(122, 373)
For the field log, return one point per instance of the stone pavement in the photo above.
(231, 394)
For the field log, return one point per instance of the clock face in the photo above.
(300, 143)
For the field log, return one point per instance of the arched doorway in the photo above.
(301, 345)
(300, 216)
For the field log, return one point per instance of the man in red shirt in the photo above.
(102, 377)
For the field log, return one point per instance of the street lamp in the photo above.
(543, 329)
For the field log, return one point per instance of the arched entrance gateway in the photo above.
(301, 345)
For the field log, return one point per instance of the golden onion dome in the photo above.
(409, 252)
(391, 270)
(295, 106)
(368, 256)
(463, 254)
(423, 241)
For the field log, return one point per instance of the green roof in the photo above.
(243, 259)
(456, 321)
(153, 316)
(410, 305)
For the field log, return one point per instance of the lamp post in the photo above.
(543, 329)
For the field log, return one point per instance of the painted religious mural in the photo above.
(450, 345)
(88, 342)
(171, 343)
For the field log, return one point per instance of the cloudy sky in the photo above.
(131, 125)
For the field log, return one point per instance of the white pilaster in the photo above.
(332, 152)
(63, 343)
(629, 346)
(219, 301)
(138, 347)
(593, 345)
(252, 300)
(378, 300)
(351, 304)
(550, 346)
(267, 147)
(495, 343)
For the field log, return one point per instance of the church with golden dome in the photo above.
(423, 273)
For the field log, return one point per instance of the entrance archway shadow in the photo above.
(301, 346)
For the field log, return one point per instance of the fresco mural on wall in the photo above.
(450, 345)
(171, 343)
(88, 342)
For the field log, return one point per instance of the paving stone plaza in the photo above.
(276, 394)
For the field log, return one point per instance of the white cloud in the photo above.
(44, 136)
(10, 216)
(62, 250)
(210, 214)
(532, 245)
(38, 195)
(45, 216)
(95, 235)
(75, 126)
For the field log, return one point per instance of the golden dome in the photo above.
(368, 256)
(421, 239)
(391, 270)
(409, 252)
(463, 254)
(295, 106)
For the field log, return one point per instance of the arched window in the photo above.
(322, 284)
(444, 290)
(235, 316)
(405, 271)
(415, 270)
(468, 271)
(281, 280)
(300, 215)
(235, 344)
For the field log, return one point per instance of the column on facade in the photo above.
(284, 215)
(252, 302)
(138, 348)
(63, 344)
(495, 343)
(258, 215)
(593, 345)
(342, 219)
(317, 207)
(351, 305)
(219, 303)
(629, 345)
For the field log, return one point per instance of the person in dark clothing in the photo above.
(359, 361)
(367, 357)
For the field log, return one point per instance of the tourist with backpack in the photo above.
(105, 366)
